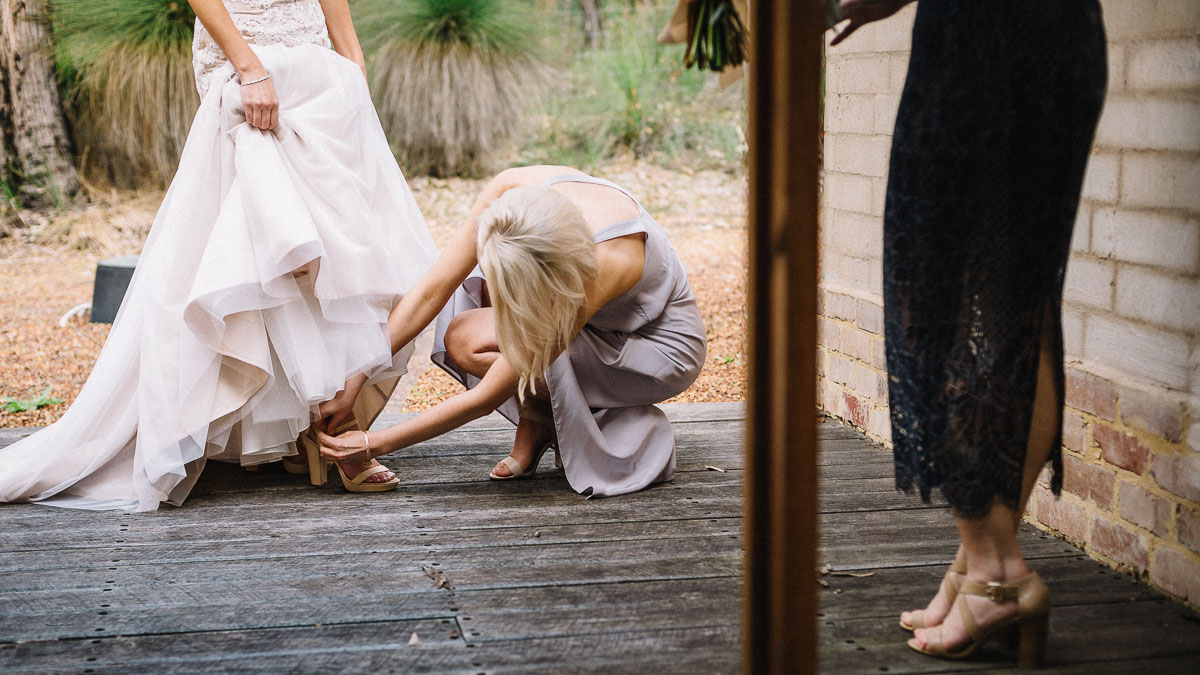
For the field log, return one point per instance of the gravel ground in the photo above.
(703, 214)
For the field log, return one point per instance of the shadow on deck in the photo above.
(260, 572)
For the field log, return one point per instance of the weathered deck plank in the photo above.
(261, 572)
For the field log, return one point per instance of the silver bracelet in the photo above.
(264, 78)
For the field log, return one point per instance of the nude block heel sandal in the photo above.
(1032, 620)
(948, 587)
(514, 467)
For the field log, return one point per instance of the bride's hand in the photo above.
(339, 410)
(352, 446)
(260, 102)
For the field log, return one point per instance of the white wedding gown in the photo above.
(220, 349)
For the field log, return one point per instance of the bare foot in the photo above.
(939, 606)
(352, 469)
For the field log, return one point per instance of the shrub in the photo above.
(450, 78)
(126, 70)
(635, 97)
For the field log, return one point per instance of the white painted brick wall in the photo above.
(1145, 294)
(1142, 352)
(1089, 283)
(1160, 181)
(1139, 121)
(1165, 65)
(1165, 240)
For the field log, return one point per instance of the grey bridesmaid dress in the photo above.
(641, 348)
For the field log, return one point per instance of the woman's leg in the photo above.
(471, 343)
(990, 543)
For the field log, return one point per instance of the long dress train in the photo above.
(266, 281)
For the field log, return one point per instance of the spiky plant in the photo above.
(450, 77)
(126, 66)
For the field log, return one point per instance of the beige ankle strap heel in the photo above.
(1032, 620)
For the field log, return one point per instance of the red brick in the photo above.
(870, 317)
(1178, 473)
(1147, 510)
(1189, 529)
(1061, 515)
(1122, 449)
(1152, 412)
(839, 306)
(1119, 543)
(857, 411)
(1178, 573)
(1088, 481)
(1074, 433)
(1091, 394)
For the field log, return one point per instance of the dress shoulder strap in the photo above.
(619, 229)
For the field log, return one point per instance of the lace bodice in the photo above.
(262, 22)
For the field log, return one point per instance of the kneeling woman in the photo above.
(564, 307)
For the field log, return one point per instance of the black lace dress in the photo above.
(992, 138)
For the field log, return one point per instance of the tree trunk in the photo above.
(34, 143)
(592, 26)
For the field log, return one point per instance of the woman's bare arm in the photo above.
(259, 100)
(497, 386)
(341, 32)
(426, 298)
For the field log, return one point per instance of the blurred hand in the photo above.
(348, 447)
(863, 12)
(337, 412)
(260, 103)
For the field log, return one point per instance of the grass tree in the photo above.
(450, 78)
(126, 67)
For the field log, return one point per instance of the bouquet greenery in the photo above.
(716, 36)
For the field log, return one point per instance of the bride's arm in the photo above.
(259, 100)
(341, 31)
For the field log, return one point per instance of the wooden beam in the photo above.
(779, 625)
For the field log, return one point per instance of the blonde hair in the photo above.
(538, 255)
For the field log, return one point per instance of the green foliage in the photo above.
(450, 78)
(16, 405)
(125, 70)
(634, 96)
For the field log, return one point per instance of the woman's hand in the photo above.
(339, 410)
(863, 12)
(352, 446)
(260, 102)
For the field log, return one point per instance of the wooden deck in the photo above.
(260, 572)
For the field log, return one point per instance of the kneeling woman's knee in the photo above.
(466, 346)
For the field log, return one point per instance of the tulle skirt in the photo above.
(265, 282)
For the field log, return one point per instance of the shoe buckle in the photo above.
(996, 592)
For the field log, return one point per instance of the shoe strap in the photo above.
(992, 590)
(514, 467)
(378, 468)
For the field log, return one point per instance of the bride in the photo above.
(287, 235)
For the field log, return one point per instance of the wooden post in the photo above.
(779, 626)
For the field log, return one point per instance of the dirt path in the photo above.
(703, 214)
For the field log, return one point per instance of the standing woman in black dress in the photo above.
(992, 137)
